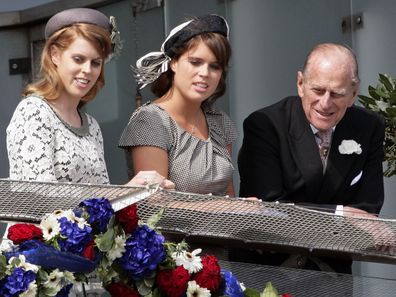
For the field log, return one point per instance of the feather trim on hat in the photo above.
(115, 37)
(150, 67)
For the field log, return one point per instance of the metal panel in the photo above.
(284, 227)
(24, 201)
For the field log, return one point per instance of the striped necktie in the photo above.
(324, 145)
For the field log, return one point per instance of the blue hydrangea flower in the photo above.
(74, 239)
(16, 283)
(144, 251)
(232, 287)
(100, 212)
(64, 292)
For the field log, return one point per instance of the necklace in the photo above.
(194, 126)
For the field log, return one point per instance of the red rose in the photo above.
(209, 276)
(286, 295)
(89, 250)
(119, 289)
(173, 282)
(128, 218)
(19, 233)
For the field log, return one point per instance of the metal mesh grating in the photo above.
(268, 225)
(228, 220)
(300, 283)
(28, 201)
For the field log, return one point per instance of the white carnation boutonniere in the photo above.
(348, 147)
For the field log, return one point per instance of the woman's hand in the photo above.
(150, 177)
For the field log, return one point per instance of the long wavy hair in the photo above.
(220, 47)
(50, 85)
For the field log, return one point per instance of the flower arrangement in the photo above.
(128, 256)
(382, 99)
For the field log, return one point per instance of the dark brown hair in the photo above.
(220, 47)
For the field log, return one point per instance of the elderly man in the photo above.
(318, 148)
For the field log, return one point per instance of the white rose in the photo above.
(349, 147)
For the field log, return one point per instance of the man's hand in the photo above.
(383, 236)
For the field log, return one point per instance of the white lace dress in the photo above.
(42, 147)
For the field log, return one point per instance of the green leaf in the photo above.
(154, 219)
(382, 91)
(269, 291)
(47, 292)
(392, 98)
(366, 100)
(156, 293)
(55, 243)
(150, 280)
(373, 93)
(249, 292)
(42, 276)
(105, 241)
(15, 262)
(106, 274)
(111, 223)
(387, 81)
(142, 288)
(391, 111)
(3, 266)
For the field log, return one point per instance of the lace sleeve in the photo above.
(30, 142)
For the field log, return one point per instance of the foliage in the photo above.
(382, 99)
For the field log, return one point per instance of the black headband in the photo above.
(206, 24)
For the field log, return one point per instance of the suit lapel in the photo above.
(304, 150)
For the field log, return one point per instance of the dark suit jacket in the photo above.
(279, 159)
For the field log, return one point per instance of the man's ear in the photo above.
(55, 55)
(300, 84)
(354, 94)
(351, 101)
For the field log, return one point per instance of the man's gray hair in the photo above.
(323, 47)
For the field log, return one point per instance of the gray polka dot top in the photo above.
(195, 165)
